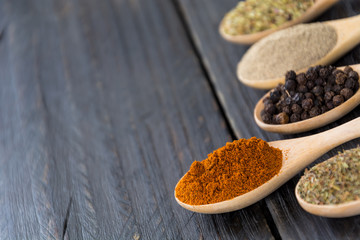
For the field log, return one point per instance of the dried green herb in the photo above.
(254, 16)
(334, 181)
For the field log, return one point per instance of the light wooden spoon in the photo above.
(311, 123)
(331, 210)
(348, 36)
(317, 9)
(297, 154)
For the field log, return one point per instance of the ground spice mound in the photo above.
(293, 48)
(230, 171)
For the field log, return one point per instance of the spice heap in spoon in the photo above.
(230, 171)
(309, 94)
(253, 16)
(334, 181)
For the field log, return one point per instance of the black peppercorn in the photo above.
(317, 68)
(266, 117)
(309, 95)
(328, 96)
(287, 110)
(346, 93)
(338, 100)
(310, 84)
(295, 108)
(304, 115)
(319, 81)
(336, 71)
(295, 117)
(318, 90)
(330, 105)
(331, 79)
(307, 104)
(324, 72)
(290, 85)
(336, 89)
(350, 83)
(317, 102)
(314, 111)
(275, 95)
(267, 101)
(301, 79)
(340, 78)
(290, 75)
(282, 118)
(327, 87)
(347, 69)
(288, 101)
(324, 109)
(302, 89)
(320, 99)
(270, 108)
(354, 75)
(311, 74)
(356, 87)
(298, 97)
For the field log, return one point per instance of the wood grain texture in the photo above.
(220, 59)
(104, 106)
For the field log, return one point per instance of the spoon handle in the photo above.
(300, 152)
(348, 35)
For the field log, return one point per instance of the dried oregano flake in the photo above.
(334, 181)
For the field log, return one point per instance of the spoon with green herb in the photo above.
(332, 188)
(296, 155)
(252, 20)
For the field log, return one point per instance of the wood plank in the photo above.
(33, 173)
(220, 59)
(104, 107)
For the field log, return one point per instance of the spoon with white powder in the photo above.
(299, 47)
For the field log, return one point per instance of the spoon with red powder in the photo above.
(296, 155)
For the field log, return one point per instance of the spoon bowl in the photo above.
(311, 123)
(348, 36)
(341, 210)
(297, 154)
(317, 9)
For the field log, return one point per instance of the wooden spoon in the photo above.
(348, 36)
(311, 123)
(331, 210)
(297, 154)
(318, 8)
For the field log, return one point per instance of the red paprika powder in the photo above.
(229, 171)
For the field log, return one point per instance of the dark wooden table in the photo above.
(105, 104)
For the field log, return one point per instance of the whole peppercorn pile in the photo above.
(309, 94)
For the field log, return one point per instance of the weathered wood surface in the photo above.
(220, 58)
(105, 104)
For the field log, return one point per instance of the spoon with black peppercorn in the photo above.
(297, 154)
(264, 64)
(317, 9)
(311, 123)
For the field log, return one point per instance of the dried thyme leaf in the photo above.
(334, 181)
